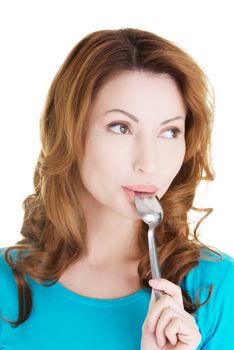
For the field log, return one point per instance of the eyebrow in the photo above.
(133, 117)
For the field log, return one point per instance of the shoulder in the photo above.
(212, 269)
(215, 262)
(215, 315)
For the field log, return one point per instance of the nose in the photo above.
(146, 157)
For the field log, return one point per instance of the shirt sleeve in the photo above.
(220, 331)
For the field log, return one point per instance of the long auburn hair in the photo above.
(54, 226)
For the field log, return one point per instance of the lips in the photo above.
(140, 190)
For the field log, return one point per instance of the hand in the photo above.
(171, 327)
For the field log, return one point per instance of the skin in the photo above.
(130, 154)
(167, 325)
(134, 153)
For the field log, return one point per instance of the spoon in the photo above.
(151, 212)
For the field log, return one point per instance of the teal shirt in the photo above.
(62, 319)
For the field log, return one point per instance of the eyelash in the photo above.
(173, 129)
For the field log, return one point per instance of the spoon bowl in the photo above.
(150, 210)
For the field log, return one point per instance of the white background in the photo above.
(36, 36)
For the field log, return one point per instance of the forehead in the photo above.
(139, 92)
(137, 80)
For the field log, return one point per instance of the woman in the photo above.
(126, 109)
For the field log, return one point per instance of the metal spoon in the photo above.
(151, 212)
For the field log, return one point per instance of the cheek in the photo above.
(172, 166)
(177, 160)
(101, 162)
(100, 171)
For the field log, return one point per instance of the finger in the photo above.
(145, 325)
(169, 288)
(164, 303)
(157, 284)
(151, 309)
(164, 320)
(152, 300)
(182, 330)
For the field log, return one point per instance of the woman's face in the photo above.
(122, 152)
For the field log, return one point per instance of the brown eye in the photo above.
(175, 132)
(122, 128)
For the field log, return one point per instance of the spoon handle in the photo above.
(155, 270)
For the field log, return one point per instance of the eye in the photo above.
(123, 125)
(175, 132)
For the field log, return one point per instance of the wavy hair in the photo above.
(54, 226)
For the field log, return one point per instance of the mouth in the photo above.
(143, 194)
(151, 189)
(131, 194)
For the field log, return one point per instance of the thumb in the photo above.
(151, 304)
(152, 301)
